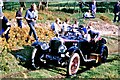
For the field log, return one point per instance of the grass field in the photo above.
(15, 63)
(12, 68)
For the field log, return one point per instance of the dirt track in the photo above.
(105, 28)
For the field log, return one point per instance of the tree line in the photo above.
(101, 6)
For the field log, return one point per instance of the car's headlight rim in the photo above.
(44, 46)
(62, 48)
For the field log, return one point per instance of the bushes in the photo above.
(18, 36)
(68, 7)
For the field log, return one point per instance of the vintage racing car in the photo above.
(71, 51)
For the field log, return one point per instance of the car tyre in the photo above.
(73, 64)
(36, 64)
(104, 54)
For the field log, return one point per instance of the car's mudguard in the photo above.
(74, 49)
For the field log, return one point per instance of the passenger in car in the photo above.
(76, 24)
(89, 33)
(83, 31)
(65, 26)
(56, 26)
(94, 35)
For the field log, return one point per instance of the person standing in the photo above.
(31, 16)
(4, 27)
(92, 7)
(116, 11)
(19, 17)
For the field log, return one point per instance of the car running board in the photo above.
(90, 60)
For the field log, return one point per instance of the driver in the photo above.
(94, 35)
(89, 33)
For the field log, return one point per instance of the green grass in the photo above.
(110, 69)
(14, 67)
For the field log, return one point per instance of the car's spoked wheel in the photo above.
(35, 59)
(104, 54)
(73, 64)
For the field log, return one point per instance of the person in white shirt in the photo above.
(88, 14)
(75, 25)
(57, 26)
(66, 24)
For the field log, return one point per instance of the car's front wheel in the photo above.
(36, 58)
(73, 64)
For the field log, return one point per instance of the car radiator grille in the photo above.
(54, 44)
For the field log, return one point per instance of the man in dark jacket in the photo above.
(19, 17)
(116, 11)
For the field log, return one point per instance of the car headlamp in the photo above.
(44, 46)
(62, 49)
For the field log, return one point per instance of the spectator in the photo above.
(1, 5)
(19, 17)
(116, 11)
(118, 17)
(88, 15)
(92, 7)
(31, 16)
(5, 27)
(80, 6)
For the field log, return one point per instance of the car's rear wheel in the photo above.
(104, 54)
(73, 64)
